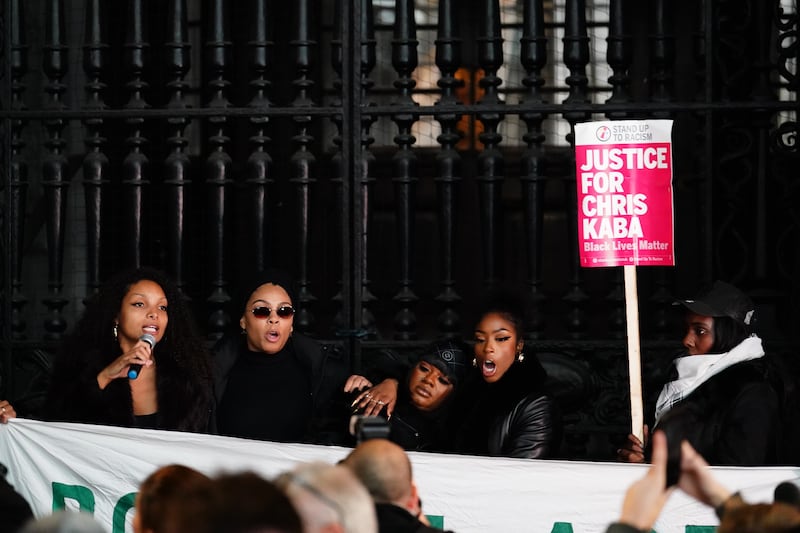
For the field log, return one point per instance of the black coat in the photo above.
(731, 419)
(395, 519)
(423, 431)
(14, 509)
(329, 368)
(513, 417)
(185, 402)
(409, 427)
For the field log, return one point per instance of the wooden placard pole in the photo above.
(634, 351)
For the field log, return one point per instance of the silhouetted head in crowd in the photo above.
(761, 518)
(249, 503)
(175, 499)
(329, 498)
(64, 522)
(385, 470)
(14, 509)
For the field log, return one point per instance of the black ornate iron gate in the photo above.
(398, 157)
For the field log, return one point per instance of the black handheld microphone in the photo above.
(134, 369)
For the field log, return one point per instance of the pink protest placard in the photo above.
(624, 180)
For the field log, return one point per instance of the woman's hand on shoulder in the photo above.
(140, 354)
(356, 382)
(375, 399)
(6, 411)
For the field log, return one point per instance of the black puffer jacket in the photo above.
(513, 417)
(731, 419)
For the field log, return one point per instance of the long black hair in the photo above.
(728, 333)
(184, 368)
(506, 301)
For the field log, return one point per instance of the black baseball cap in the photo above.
(449, 358)
(722, 299)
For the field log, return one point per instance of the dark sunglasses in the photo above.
(284, 311)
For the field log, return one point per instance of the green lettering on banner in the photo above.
(79, 493)
(121, 509)
(435, 520)
(566, 527)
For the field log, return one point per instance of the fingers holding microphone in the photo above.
(129, 364)
(135, 368)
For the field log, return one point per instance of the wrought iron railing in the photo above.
(209, 138)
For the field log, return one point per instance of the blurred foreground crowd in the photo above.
(372, 490)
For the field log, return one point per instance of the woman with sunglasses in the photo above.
(271, 382)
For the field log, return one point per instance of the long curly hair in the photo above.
(182, 356)
(95, 327)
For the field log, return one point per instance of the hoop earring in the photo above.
(475, 362)
(115, 330)
(520, 356)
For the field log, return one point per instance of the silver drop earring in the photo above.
(116, 332)
(520, 356)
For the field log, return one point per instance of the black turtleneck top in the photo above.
(268, 397)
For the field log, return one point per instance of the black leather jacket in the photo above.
(514, 417)
(529, 430)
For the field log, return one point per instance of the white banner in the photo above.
(100, 468)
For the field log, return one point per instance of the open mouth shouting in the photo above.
(488, 368)
(273, 335)
(267, 319)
